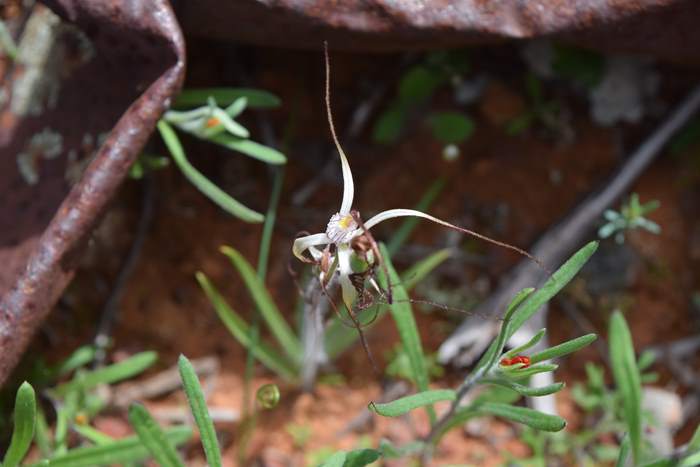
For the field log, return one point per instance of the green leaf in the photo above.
(356, 458)
(268, 309)
(520, 123)
(250, 148)
(525, 390)
(524, 415)
(25, 421)
(241, 331)
(255, 98)
(80, 357)
(646, 359)
(531, 343)
(122, 451)
(198, 405)
(389, 451)
(42, 434)
(420, 270)
(114, 373)
(389, 125)
(410, 223)
(624, 452)
(626, 374)
(585, 66)
(406, 404)
(522, 373)
(691, 460)
(93, 435)
(694, 443)
(361, 457)
(553, 285)
(406, 324)
(202, 183)
(336, 460)
(564, 348)
(451, 127)
(153, 437)
(418, 84)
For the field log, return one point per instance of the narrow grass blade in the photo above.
(250, 148)
(267, 307)
(203, 184)
(122, 451)
(42, 434)
(624, 452)
(409, 225)
(626, 374)
(524, 415)
(406, 404)
(153, 437)
(255, 98)
(200, 412)
(406, 324)
(563, 349)
(419, 271)
(25, 421)
(241, 331)
(114, 373)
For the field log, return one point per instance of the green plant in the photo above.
(509, 370)
(630, 217)
(546, 112)
(215, 124)
(151, 440)
(76, 402)
(413, 91)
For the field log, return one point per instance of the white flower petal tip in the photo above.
(309, 243)
(341, 228)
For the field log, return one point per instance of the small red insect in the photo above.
(517, 359)
(212, 122)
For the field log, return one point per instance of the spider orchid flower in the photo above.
(343, 227)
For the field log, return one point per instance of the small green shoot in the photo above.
(631, 216)
(25, 421)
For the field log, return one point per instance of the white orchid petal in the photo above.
(348, 184)
(392, 213)
(308, 242)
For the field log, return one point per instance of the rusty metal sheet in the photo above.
(68, 135)
(664, 28)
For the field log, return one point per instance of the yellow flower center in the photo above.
(345, 222)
